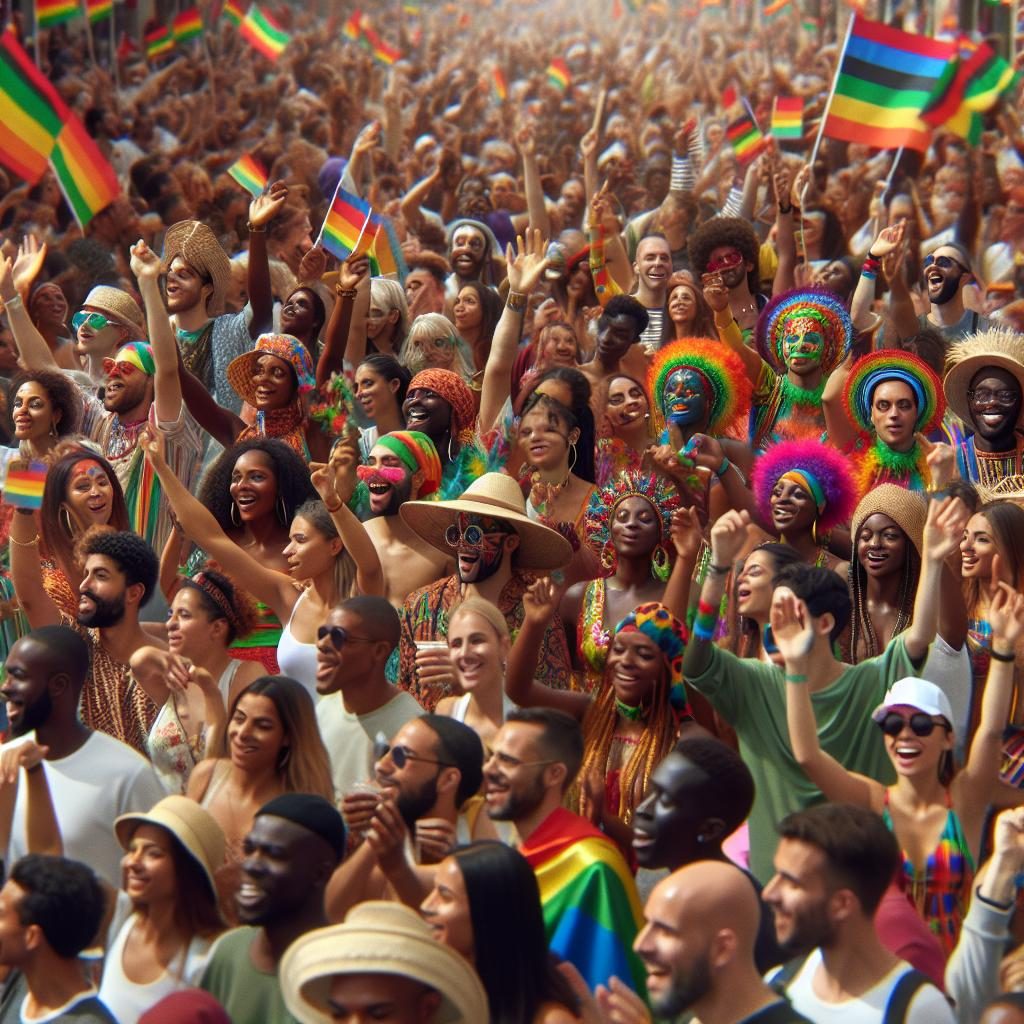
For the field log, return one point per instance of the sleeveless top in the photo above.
(295, 658)
(592, 639)
(942, 891)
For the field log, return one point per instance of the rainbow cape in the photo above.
(591, 909)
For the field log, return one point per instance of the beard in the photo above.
(686, 989)
(950, 286)
(518, 805)
(413, 806)
(104, 613)
(811, 929)
(34, 715)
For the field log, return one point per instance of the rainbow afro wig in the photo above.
(822, 471)
(804, 304)
(727, 387)
(894, 364)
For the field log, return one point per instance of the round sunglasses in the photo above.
(920, 724)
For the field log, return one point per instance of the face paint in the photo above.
(684, 397)
(479, 543)
(803, 342)
(385, 474)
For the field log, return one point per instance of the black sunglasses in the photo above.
(341, 636)
(402, 755)
(920, 724)
(945, 262)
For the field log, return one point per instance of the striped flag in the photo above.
(263, 33)
(86, 178)
(56, 12)
(499, 87)
(249, 173)
(746, 139)
(352, 30)
(884, 80)
(344, 229)
(233, 11)
(558, 74)
(158, 42)
(788, 117)
(97, 10)
(773, 11)
(24, 485)
(187, 25)
(382, 51)
(385, 250)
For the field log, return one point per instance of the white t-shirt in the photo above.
(928, 1006)
(101, 780)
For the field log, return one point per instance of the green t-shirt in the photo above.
(245, 992)
(751, 696)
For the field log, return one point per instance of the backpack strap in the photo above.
(907, 986)
(786, 973)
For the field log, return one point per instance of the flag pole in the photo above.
(330, 206)
(832, 91)
(892, 171)
(88, 33)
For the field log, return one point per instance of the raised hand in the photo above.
(525, 141)
(716, 295)
(25, 755)
(7, 289)
(782, 183)
(153, 443)
(941, 460)
(353, 272)
(342, 465)
(728, 536)
(1006, 615)
(944, 527)
(888, 239)
(368, 138)
(686, 532)
(540, 602)
(588, 144)
(526, 263)
(28, 263)
(435, 838)
(264, 208)
(387, 834)
(145, 264)
(791, 625)
(313, 264)
(1008, 834)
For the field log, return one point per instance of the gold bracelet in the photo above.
(25, 543)
(346, 293)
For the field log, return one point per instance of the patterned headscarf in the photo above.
(418, 454)
(657, 623)
(137, 354)
(454, 390)
(294, 353)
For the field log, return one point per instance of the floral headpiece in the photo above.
(811, 304)
(894, 364)
(649, 486)
(336, 410)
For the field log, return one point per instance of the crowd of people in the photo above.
(650, 542)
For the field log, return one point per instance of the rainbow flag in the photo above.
(344, 230)
(381, 50)
(158, 42)
(97, 10)
(885, 79)
(773, 11)
(591, 909)
(788, 117)
(56, 12)
(385, 250)
(249, 173)
(31, 112)
(187, 25)
(233, 11)
(263, 33)
(352, 30)
(499, 87)
(88, 182)
(743, 134)
(24, 485)
(558, 74)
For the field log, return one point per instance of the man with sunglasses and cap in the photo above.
(108, 319)
(496, 545)
(357, 703)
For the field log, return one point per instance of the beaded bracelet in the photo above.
(870, 268)
(701, 632)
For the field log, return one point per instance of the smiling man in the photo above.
(496, 545)
(653, 268)
(947, 271)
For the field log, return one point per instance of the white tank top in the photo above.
(296, 659)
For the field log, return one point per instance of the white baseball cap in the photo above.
(915, 693)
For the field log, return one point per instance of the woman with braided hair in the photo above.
(630, 721)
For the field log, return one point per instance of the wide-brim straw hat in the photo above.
(241, 370)
(499, 496)
(1000, 347)
(197, 245)
(907, 509)
(119, 306)
(193, 826)
(379, 937)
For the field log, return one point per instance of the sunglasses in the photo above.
(119, 368)
(920, 724)
(472, 537)
(944, 262)
(341, 636)
(94, 321)
(403, 755)
(729, 259)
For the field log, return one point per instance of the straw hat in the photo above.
(907, 509)
(193, 826)
(379, 937)
(499, 496)
(241, 369)
(1010, 488)
(197, 245)
(117, 305)
(1000, 347)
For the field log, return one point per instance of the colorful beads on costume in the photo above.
(824, 473)
(649, 486)
(877, 463)
(815, 304)
(894, 364)
(717, 365)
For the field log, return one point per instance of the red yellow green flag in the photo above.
(158, 42)
(263, 33)
(188, 25)
(88, 182)
(56, 12)
(97, 10)
(558, 74)
(233, 11)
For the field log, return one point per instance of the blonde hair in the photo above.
(390, 295)
(430, 327)
(487, 611)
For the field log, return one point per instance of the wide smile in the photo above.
(249, 895)
(416, 414)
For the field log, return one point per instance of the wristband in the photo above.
(719, 570)
(995, 655)
(35, 540)
(872, 256)
(34, 768)
(720, 472)
(516, 301)
(333, 509)
(701, 632)
(253, 230)
(346, 293)
(14, 303)
(706, 608)
(792, 678)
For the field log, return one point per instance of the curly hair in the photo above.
(624, 305)
(62, 392)
(221, 599)
(133, 555)
(290, 472)
(719, 231)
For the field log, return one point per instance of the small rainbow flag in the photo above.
(774, 11)
(250, 174)
(159, 41)
(558, 74)
(24, 485)
(56, 12)
(344, 229)
(85, 177)
(745, 137)
(187, 25)
(381, 50)
(352, 30)
(233, 11)
(263, 33)
(385, 250)
(97, 10)
(788, 117)
(499, 87)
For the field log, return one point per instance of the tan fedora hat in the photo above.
(498, 496)
(379, 937)
(197, 245)
(193, 826)
(117, 305)
(999, 347)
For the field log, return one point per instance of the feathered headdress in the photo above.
(649, 486)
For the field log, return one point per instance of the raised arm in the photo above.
(332, 357)
(536, 206)
(42, 830)
(220, 423)
(33, 352)
(794, 635)
(840, 430)
(785, 239)
(686, 539)
(354, 275)
(34, 601)
(716, 295)
(262, 210)
(524, 267)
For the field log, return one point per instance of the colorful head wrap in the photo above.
(816, 304)
(719, 367)
(285, 347)
(135, 353)
(633, 484)
(823, 472)
(454, 390)
(657, 623)
(418, 455)
(894, 364)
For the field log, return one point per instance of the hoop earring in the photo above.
(661, 566)
(282, 510)
(572, 449)
(451, 458)
(609, 557)
(236, 516)
(814, 531)
(64, 517)
(53, 429)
